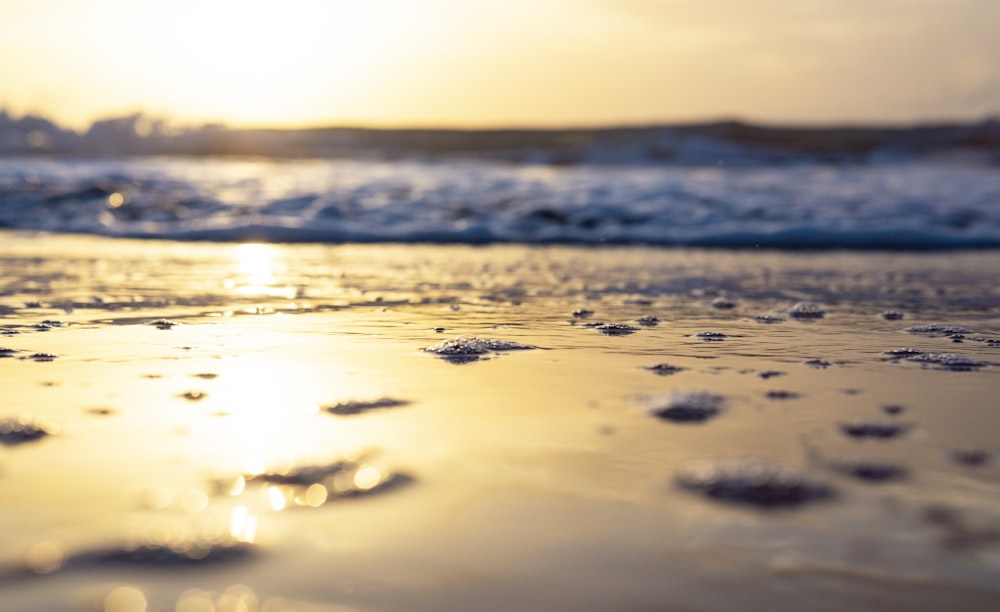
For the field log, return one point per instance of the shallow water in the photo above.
(190, 401)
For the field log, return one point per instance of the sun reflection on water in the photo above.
(256, 266)
(243, 525)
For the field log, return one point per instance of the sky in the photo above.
(500, 63)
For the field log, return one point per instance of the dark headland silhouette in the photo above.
(713, 142)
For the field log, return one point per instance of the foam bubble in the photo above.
(871, 471)
(778, 394)
(936, 329)
(806, 310)
(314, 485)
(707, 336)
(818, 363)
(768, 319)
(948, 361)
(893, 409)
(970, 456)
(14, 431)
(182, 552)
(689, 407)
(753, 483)
(873, 429)
(463, 349)
(353, 407)
(617, 329)
(163, 324)
(665, 369)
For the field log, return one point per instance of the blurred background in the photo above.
(880, 114)
(500, 63)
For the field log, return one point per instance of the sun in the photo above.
(260, 61)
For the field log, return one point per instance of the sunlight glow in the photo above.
(255, 263)
(277, 499)
(243, 525)
(255, 270)
(367, 477)
(258, 61)
(497, 62)
(45, 557)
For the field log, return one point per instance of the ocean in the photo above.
(910, 205)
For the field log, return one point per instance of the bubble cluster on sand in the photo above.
(191, 551)
(817, 363)
(948, 361)
(871, 470)
(778, 394)
(893, 409)
(616, 329)
(163, 323)
(41, 357)
(463, 349)
(665, 369)
(892, 315)
(970, 456)
(874, 429)
(648, 321)
(315, 485)
(708, 336)
(352, 407)
(902, 352)
(688, 406)
(768, 319)
(24, 428)
(766, 374)
(723, 303)
(752, 483)
(936, 329)
(7, 352)
(806, 310)
(307, 474)
(582, 313)
(193, 395)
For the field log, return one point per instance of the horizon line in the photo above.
(597, 125)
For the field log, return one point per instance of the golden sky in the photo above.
(500, 62)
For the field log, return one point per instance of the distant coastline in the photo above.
(686, 144)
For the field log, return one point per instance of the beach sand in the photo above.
(192, 426)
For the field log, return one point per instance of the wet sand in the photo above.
(185, 426)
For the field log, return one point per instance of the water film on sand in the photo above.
(185, 426)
